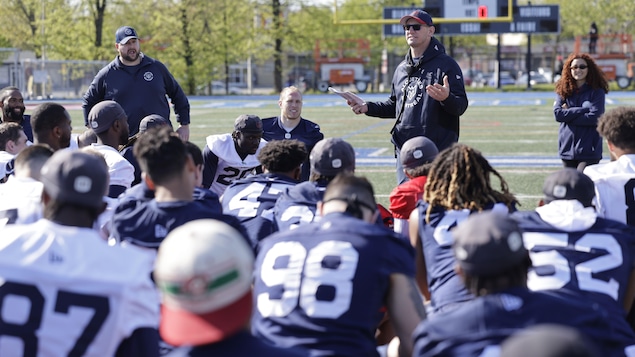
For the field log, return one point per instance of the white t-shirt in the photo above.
(61, 282)
(615, 189)
(120, 170)
(20, 201)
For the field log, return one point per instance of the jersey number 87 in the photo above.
(26, 330)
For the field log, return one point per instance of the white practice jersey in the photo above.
(20, 201)
(615, 189)
(5, 158)
(64, 291)
(120, 170)
(230, 166)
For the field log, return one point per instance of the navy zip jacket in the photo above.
(578, 138)
(140, 90)
(419, 114)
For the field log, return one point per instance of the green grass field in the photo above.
(497, 131)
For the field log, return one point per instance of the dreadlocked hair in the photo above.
(460, 179)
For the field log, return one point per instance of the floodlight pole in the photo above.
(528, 60)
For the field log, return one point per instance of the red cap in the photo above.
(180, 327)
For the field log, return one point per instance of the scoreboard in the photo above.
(471, 8)
(454, 17)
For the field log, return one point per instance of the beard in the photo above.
(10, 114)
(123, 138)
(130, 56)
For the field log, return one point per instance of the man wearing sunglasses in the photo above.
(427, 93)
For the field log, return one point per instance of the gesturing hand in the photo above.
(439, 92)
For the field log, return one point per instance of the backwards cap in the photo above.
(569, 184)
(152, 121)
(76, 177)
(488, 244)
(332, 156)
(104, 114)
(203, 269)
(417, 151)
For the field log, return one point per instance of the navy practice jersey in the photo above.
(322, 286)
(144, 193)
(240, 344)
(594, 260)
(298, 205)
(252, 199)
(147, 223)
(306, 131)
(446, 288)
(478, 327)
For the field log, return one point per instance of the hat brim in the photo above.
(126, 39)
(408, 17)
(180, 327)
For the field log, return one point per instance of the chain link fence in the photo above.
(46, 79)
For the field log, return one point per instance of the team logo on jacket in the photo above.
(148, 76)
(414, 92)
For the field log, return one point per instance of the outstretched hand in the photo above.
(357, 104)
(439, 92)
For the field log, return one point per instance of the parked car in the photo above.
(481, 80)
(470, 75)
(534, 78)
(218, 87)
(506, 79)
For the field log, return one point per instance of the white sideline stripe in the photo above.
(511, 161)
(378, 152)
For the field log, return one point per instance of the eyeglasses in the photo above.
(582, 66)
(414, 27)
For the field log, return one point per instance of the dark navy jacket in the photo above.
(140, 90)
(422, 115)
(578, 138)
(141, 220)
(481, 325)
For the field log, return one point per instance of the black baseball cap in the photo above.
(417, 151)
(103, 114)
(488, 244)
(420, 16)
(569, 184)
(332, 156)
(248, 123)
(73, 176)
(152, 121)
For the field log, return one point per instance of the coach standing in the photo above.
(139, 84)
(428, 94)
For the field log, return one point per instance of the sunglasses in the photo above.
(414, 27)
(582, 66)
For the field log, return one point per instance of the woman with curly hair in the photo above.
(579, 104)
(460, 182)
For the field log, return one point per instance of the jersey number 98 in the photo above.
(302, 277)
